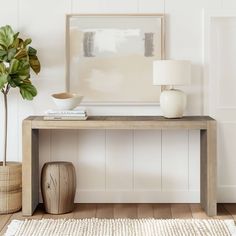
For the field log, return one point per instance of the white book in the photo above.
(65, 117)
(67, 114)
(62, 112)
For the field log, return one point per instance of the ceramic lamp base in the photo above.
(173, 103)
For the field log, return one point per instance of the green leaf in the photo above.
(32, 51)
(18, 43)
(22, 53)
(3, 55)
(3, 52)
(11, 53)
(2, 68)
(19, 69)
(16, 35)
(28, 91)
(24, 68)
(14, 65)
(3, 80)
(6, 36)
(27, 42)
(24, 76)
(34, 64)
(13, 83)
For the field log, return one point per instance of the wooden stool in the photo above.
(58, 185)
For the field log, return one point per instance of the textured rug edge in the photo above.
(16, 224)
(231, 226)
(13, 227)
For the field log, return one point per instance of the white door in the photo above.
(220, 94)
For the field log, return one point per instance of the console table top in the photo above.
(122, 122)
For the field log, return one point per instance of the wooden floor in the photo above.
(158, 211)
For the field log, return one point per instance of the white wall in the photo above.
(113, 166)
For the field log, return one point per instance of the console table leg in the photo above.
(208, 169)
(30, 169)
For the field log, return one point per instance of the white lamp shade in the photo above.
(171, 72)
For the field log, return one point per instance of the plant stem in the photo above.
(5, 128)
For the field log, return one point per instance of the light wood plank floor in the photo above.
(110, 211)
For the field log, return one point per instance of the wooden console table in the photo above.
(205, 124)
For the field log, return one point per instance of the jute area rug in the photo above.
(121, 227)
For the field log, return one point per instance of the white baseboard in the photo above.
(119, 196)
(226, 194)
(143, 196)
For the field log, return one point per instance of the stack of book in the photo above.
(79, 114)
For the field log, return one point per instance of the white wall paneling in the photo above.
(228, 4)
(155, 6)
(193, 160)
(119, 159)
(175, 160)
(120, 166)
(109, 6)
(63, 145)
(86, 6)
(183, 41)
(138, 166)
(147, 149)
(104, 6)
(91, 160)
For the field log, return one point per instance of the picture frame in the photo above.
(109, 57)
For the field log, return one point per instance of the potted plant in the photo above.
(16, 60)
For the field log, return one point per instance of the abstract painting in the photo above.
(109, 57)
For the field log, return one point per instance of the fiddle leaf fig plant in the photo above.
(17, 57)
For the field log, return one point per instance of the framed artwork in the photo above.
(109, 57)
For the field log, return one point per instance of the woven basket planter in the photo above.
(10, 187)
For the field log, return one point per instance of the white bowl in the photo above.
(67, 101)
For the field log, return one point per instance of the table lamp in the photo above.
(172, 72)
